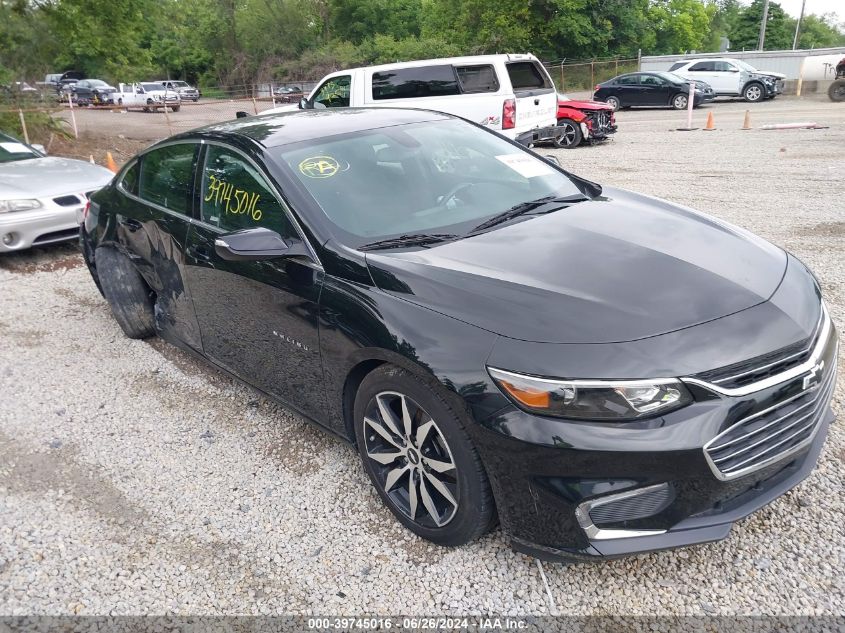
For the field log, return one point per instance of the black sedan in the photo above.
(655, 89)
(93, 92)
(604, 372)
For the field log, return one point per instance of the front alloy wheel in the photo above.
(412, 460)
(568, 135)
(680, 102)
(417, 454)
(753, 93)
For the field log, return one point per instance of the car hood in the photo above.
(766, 73)
(585, 105)
(621, 267)
(49, 176)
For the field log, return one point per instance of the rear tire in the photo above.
(130, 298)
(411, 459)
(175, 108)
(836, 92)
(570, 135)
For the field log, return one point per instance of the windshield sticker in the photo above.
(16, 148)
(321, 167)
(526, 166)
(237, 201)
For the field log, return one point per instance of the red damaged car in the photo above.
(579, 121)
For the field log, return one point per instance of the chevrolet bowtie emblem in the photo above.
(813, 379)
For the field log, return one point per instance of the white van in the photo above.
(511, 94)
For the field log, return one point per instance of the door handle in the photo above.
(200, 253)
(536, 102)
(130, 224)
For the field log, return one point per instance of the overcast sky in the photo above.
(793, 7)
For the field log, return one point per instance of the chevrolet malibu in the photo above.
(602, 372)
(42, 197)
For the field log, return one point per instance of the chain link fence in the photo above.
(582, 76)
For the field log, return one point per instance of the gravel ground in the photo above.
(135, 480)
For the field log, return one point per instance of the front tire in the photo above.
(570, 135)
(836, 92)
(680, 101)
(130, 298)
(754, 93)
(420, 459)
(613, 102)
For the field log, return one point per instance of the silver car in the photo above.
(42, 197)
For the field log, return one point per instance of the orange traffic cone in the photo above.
(746, 125)
(710, 125)
(110, 164)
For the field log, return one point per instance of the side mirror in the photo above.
(553, 160)
(255, 244)
(304, 105)
(39, 147)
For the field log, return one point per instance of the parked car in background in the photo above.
(510, 94)
(42, 197)
(147, 95)
(19, 91)
(732, 78)
(654, 89)
(288, 94)
(604, 372)
(583, 121)
(93, 92)
(185, 91)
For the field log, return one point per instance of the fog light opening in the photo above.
(8, 239)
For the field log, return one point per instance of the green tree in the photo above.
(357, 20)
(746, 31)
(680, 25)
(820, 32)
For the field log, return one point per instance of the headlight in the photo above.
(18, 205)
(593, 399)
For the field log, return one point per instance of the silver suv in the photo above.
(732, 78)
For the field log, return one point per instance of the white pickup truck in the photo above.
(511, 94)
(147, 95)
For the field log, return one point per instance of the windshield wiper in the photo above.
(524, 208)
(412, 239)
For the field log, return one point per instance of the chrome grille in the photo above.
(762, 367)
(772, 434)
(602, 120)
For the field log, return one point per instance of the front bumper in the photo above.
(47, 225)
(659, 483)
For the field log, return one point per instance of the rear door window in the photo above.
(706, 67)
(628, 80)
(526, 76)
(167, 176)
(416, 82)
(477, 78)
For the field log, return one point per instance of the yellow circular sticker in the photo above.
(320, 167)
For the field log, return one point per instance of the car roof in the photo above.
(272, 130)
(468, 60)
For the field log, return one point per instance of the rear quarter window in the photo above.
(476, 79)
(526, 76)
(414, 83)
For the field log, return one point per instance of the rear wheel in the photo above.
(420, 459)
(175, 108)
(680, 101)
(754, 93)
(613, 102)
(130, 298)
(568, 134)
(836, 92)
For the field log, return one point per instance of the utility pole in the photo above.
(798, 26)
(762, 39)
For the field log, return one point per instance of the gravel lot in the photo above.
(134, 480)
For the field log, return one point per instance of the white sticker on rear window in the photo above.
(526, 166)
(16, 148)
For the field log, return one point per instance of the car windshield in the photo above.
(152, 86)
(442, 177)
(12, 150)
(744, 65)
(96, 83)
(179, 84)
